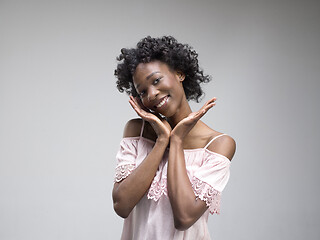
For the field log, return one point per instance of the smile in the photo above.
(162, 102)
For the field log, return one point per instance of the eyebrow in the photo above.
(149, 76)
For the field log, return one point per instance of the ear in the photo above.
(181, 76)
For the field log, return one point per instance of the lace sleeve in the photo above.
(123, 171)
(207, 194)
(126, 158)
(210, 179)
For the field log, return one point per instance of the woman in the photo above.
(171, 166)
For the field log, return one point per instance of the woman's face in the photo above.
(160, 89)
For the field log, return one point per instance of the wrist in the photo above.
(163, 140)
(176, 140)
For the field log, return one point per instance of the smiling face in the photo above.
(160, 88)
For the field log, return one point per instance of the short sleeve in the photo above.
(210, 179)
(126, 158)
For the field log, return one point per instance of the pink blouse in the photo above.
(152, 217)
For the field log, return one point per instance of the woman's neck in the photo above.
(182, 112)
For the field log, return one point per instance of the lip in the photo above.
(163, 100)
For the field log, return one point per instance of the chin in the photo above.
(168, 111)
(167, 114)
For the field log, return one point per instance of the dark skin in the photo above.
(161, 91)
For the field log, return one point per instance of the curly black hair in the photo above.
(179, 57)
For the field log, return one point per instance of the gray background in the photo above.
(62, 117)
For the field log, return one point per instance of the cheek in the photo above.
(145, 103)
(168, 85)
(174, 87)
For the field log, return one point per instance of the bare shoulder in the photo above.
(224, 145)
(133, 128)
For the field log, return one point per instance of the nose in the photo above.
(152, 93)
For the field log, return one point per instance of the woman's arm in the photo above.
(127, 193)
(186, 208)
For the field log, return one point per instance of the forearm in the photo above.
(186, 209)
(129, 191)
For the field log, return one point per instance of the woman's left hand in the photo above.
(186, 124)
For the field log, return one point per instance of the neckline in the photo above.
(185, 150)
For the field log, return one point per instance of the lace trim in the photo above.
(157, 188)
(123, 171)
(208, 194)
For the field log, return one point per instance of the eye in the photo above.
(156, 80)
(142, 93)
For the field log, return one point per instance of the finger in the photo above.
(135, 107)
(141, 112)
(138, 105)
(205, 109)
(211, 101)
(135, 101)
(139, 102)
(146, 115)
(209, 106)
(208, 103)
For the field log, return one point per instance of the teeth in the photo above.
(162, 102)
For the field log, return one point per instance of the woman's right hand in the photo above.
(161, 127)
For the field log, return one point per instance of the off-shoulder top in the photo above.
(152, 217)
